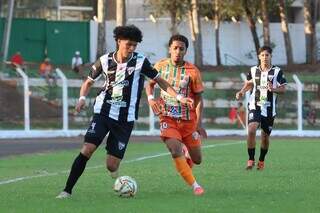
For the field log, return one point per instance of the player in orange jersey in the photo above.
(180, 124)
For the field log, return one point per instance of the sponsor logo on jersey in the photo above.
(121, 145)
(117, 103)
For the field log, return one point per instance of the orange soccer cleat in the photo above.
(198, 190)
(260, 165)
(250, 164)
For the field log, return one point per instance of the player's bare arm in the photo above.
(247, 86)
(164, 85)
(153, 103)
(279, 90)
(198, 102)
(84, 91)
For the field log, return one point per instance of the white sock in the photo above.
(114, 174)
(195, 185)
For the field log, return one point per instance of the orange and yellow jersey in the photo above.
(186, 80)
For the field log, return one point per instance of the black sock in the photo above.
(263, 153)
(251, 153)
(78, 166)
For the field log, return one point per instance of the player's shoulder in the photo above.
(190, 67)
(162, 63)
(276, 68)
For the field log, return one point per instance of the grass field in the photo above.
(289, 183)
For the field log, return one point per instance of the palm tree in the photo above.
(101, 14)
(121, 13)
(216, 9)
(265, 22)
(252, 24)
(309, 30)
(195, 27)
(286, 33)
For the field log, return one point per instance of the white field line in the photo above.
(18, 179)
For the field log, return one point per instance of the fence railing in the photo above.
(149, 118)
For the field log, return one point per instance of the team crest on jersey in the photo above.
(121, 145)
(130, 70)
(173, 110)
(91, 129)
(184, 82)
(270, 77)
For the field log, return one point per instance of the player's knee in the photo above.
(112, 167)
(251, 131)
(197, 160)
(88, 149)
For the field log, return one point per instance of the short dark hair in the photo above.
(179, 37)
(263, 48)
(129, 32)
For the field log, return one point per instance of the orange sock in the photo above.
(184, 170)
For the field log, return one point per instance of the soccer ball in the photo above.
(125, 186)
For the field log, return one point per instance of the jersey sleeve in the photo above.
(95, 70)
(196, 82)
(281, 80)
(148, 70)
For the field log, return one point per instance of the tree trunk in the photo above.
(173, 18)
(286, 34)
(195, 27)
(216, 30)
(309, 30)
(252, 25)
(121, 13)
(265, 20)
(101, 8)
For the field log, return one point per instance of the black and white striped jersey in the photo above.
(120, 96)
(260, 97)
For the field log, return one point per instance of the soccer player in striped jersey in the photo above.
(116, 106)
(265, 82)
(180, 124)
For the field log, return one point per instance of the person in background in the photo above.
(46, 72)
(76, 64)
(17, 61)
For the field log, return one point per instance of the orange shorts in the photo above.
(182, 130)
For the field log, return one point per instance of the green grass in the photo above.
(289, 183)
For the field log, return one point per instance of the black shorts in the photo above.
(118, 138)
(266, 123)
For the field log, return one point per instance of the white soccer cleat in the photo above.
(63, 195)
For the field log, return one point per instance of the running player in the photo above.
(180, 124)
(265, 82)
(116, 106)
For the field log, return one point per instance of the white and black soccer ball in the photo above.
(125, 186)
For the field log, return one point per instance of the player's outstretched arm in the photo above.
(153, 103)
(84, 91)
(164, 85)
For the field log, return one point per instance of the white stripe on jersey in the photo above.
(135, 85)
(117, 90)
(275, 84)
(252, 98)
(99, 99)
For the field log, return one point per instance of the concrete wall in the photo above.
(235, 41)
